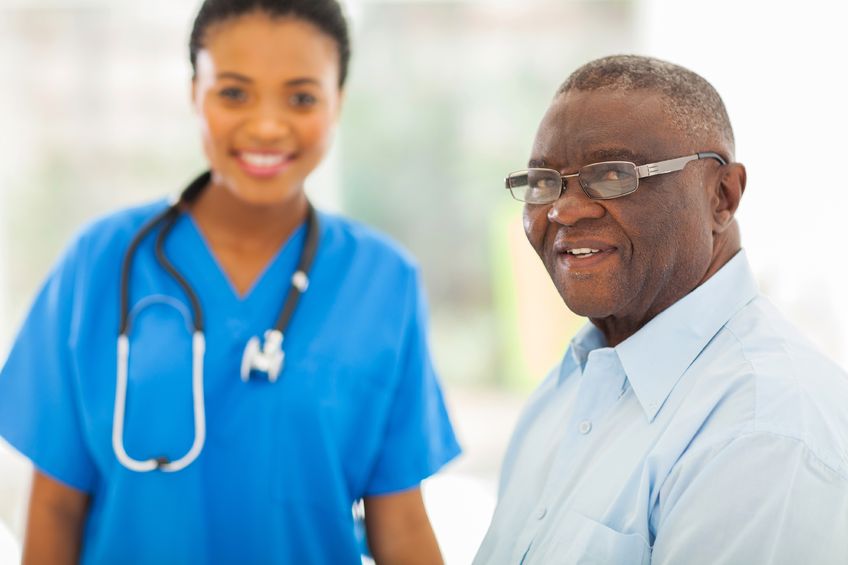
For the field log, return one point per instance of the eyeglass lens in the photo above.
(602, 180)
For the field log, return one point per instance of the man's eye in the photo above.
(611, 174)
(548, 183)
(233, 94)
(303, 100)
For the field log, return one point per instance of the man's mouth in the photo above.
(583, 252)
(586, 255)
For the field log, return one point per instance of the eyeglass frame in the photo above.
(642, 171)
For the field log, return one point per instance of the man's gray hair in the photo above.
(692, 102)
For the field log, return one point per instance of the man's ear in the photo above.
(728, 193)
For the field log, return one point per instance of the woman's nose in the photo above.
(270, 124)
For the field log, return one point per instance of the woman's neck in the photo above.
(244, 237)
(227, 219)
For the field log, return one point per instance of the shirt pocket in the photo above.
(579, 540)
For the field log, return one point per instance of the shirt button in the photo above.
(541, 513)
(585, 427)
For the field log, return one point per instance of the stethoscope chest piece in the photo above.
(267, 358)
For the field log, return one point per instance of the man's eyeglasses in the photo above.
(600, 181)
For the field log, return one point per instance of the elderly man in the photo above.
(689, 422)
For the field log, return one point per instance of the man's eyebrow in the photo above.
(597, 156)
(615, 155)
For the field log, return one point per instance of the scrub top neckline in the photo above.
(220, 273)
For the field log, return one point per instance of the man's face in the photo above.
(656, 244)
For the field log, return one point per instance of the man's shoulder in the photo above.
(784, 364)
(767, 378)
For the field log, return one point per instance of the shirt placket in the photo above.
(601, 385)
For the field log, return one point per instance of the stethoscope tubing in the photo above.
(168, 217)
(198, 347)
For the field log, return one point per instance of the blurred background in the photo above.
(443, 100)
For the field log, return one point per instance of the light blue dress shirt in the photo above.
(716, 434)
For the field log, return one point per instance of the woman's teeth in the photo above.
(261, 159)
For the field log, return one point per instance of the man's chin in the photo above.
(588, 306)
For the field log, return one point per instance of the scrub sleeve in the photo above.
(39, 412)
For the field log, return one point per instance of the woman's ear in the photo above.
(340, 102)
(728, 193)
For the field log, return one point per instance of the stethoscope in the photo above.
(266, 357)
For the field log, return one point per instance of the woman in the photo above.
(213, 443)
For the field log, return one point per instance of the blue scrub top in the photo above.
(356, 412)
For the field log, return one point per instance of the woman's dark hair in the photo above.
(326, 15)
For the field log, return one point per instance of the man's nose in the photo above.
(573, 205)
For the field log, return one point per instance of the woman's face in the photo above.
(266, 91)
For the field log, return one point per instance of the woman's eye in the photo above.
(233, 94)
(303, 100)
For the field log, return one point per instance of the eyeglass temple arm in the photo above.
(506, 180)
(673, 165)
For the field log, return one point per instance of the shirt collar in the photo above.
(587, 339)
(655, 357)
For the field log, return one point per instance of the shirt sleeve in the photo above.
(761, 498)
(419, 438)
(39, 409)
